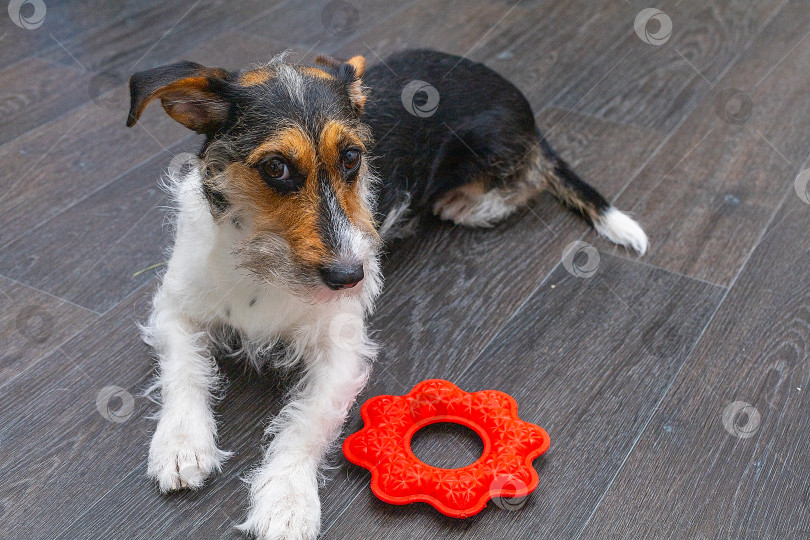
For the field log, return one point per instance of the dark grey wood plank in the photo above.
(709, 192)
(235, 49)
(94, 253)
(587, 359)
(32, 323)
(63, 20)
(323, 24)
(699, 469)
(656, 86)
(73, 453)
(35, 91)
(156, 36)
(524, 41)
(76, 456)
(54, 166)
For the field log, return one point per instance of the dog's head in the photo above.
(284, 162)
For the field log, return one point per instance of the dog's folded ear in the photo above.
(192, 94)
(350, 72)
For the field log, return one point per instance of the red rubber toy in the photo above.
(505, 469)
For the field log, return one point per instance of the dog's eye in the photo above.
(275, 169)
(350, 159)
(276, 174)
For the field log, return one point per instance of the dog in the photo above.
(305, 173)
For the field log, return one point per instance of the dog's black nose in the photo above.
(342, 275)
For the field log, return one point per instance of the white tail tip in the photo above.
(621, 229)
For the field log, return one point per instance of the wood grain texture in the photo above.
(449, 289)
(656, 86)
(322, 25)
(94, 468)
(94, 253)
(522, 41)
(50, 416)
(589, 359)
(34, 92)
(711, 483)
(63, 20)
(54, 166)
(711, 189)
(156, 36)
(32, 324)
(453, 27)
(210, 512)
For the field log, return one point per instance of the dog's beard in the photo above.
(269, 259)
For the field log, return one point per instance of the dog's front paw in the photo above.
(183, 455)
(285, 507)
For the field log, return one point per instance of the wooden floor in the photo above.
(674, 387)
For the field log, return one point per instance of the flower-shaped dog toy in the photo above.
(505, 469)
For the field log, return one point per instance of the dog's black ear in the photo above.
(351, 73)
(192, 94)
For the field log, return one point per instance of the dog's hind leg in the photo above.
(484, 202)
(478, 205)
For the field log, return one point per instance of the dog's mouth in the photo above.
(325, 294)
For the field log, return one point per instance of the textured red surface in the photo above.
(504, 469)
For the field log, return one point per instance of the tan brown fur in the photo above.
(254, 77)
(315, 72)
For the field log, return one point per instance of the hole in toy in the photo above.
(447, 445)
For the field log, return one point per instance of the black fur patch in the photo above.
(481, 129)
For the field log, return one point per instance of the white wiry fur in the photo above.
(203, 288)
(621, 229)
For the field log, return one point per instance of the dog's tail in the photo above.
(581, 198)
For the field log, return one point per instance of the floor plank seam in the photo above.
(238, 28)
(592, 117)
(101, 187)
(682, 120)
(635, 259)
(88, 195)
(687, 358)
(46, 293)
(6, 383)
